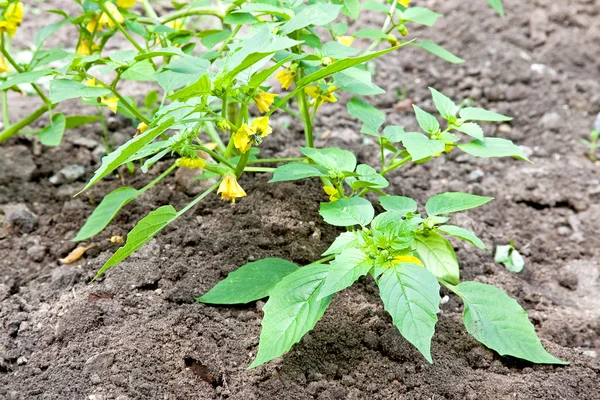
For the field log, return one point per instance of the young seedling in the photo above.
(592, 144)
(508, 256)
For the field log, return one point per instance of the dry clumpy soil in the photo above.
(138, 334)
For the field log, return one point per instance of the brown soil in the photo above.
(138, 334)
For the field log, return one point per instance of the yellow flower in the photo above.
(333, 193)
(242, 139)
(405, 3)
(230, 189)
(110, 102)
(345, 40)
(141, 128)
(321, 97)
(84, 48)
(286, 77)
(3, 65)
(264, 100)
(114, 12)
(126, 3)
(14, 12)
(90, 82)
(192, 163)
(94, 24)
(407, 259)
(8, 27)
(176, 24)
(261, 127)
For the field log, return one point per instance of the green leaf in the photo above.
(347, 267)
(24, 77)
(263, 75)
(239, 19)
(316, 14)
(367, 177)
(181, 71)
(144, 230)
(348, 212)
(297, 170)
(426, 121)
(64, 89)
(105, 212)
(471, 129)
(400, 204)
(351, 8)
(48, 31)
(463, 234)
(264, 8)
(345, 240)
(391, 231)
(509, 257)
(420, 146)
(497, 6)
(198, 88)
(421, 15)
(439, 51)
(338, 51)
(250, 282)
(394, 133)
(501, 324)
(480, 114)
(142, 71)
(438, 256)
(291, 311)
(370, 33)
(372, 117)
(493, 147)
(411, 295)
(357, 81)
(450, 202)
(113, 160)
(444, 104)
(74, 121)
(331, 158)
(52, 134)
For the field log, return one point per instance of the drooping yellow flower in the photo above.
(264, 100)
(90, 82)
(191, 163)
(261, 127)
(230, 188)
(3, 64)
(110, 102)
(114, 12)
(321, 96)
(176, 24)
(94, 24)
(8, 27)
(286, 77)
(405, 3)
(141, 128)
(84, 48)
(242, 139)
(345, 40)
(407, 259)
(14, 12)
(126, 3)
(333, 193)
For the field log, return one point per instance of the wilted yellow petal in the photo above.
(141, 128)
(116, 239)
(76, 254)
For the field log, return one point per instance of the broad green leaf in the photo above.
(367, 177)
(421, 15)
(480, 114)
(348, 212)
(411, 295)
(316, 14)
(263, 8)
(181, 71)
(376, 6)
(144, 230)
(48, 31)
(239, 19)
(450, 202)
(52, 134)
(291, 311)
(142, 71)
(493, 147)
(124, 56)
(331, 158)
(400, 204)
(345, 240)
(420, 146)
(439, 51)
(497, 6)
(391, 231)
(338, 51)
(463, 234)
(250, 282)
(347, 267)
(24, 77)
(357, 81)
(351, 8)
(372, 117)
(500, 323)
(105, 212)
(509, 257)
(444, 104)
(297, 170)
(113, 160)
(64, 89)
(471, 129)
(438, 256)
(393, 133)
(198, 88)
(426, 121)
(74, 121)
(370, 33)
(263, 75)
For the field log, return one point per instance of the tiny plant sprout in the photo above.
(213, 109)
(592, 144)
(508, 256)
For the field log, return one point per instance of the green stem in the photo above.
(13, 129)
(275, 160)
(242, 164)
(5, 117)
(123, 101)
(214, 136)
(308, 128)
(396, 164)
(157, 179)
(120, 27)
(199, 198)
(219, 13)
(259, 169)
(149, 10)
(382, 153)
(216, 156)
(322, 260)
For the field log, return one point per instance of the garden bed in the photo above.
(137, 333)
